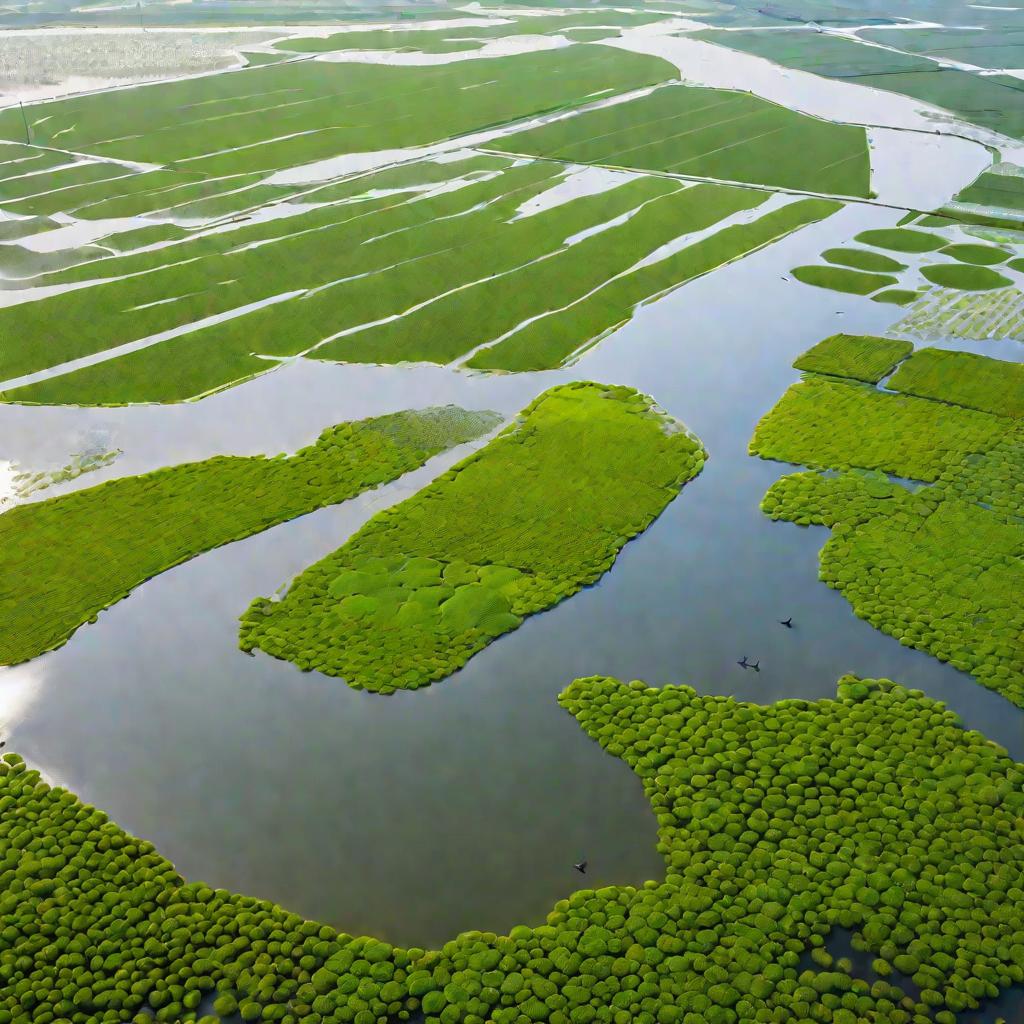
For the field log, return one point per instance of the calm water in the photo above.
(419, 815)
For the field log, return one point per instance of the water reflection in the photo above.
(464, 805)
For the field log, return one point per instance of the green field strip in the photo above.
(81, 322)
(539, 513)
(861, 259)
(745, 795)
(995, 50)
(965, 277)
(238, 121)
(351, 218)
(450, 39)
(991, 101)
(49, 192)
(709, 133)
(901, 240)
(995, 191)
(20, 263)
(549, 341)
(895, 296)
(12, 230)
(67, 558)
(17, 160)
(829, 424)
(411, 269)
(857, 356)
(457, 323)
(840, 279)
(963, 378)
(150, 234)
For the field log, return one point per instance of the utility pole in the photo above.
(28, 134)
(141, 25)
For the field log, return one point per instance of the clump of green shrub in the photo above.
(533, 517)
(874, 811)
(65, 559)
(858, 356)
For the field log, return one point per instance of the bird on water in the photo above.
(581, 867)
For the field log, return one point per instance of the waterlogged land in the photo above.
(552, 214)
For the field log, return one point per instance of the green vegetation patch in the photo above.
(981, 255)
(965, 277)
(547, 342)
(901, 239)
(840, 279)
(831, 424)
(987, 49)
(539, 513)
(895, 296)
(963, 378)
(861, 259)
(936, 571)
(65, 559)
(716, 133)
(875, 811)
(858, 356)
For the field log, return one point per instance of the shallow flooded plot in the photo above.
(538, 514)
(974, 316)
(549, 340)
(67, 558)
(711, 133)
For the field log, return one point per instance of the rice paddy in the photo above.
(839, 279)
(863, 259)
(709, 133)
(67, 558)
(539, 513)
(965, 277)
(975, 316)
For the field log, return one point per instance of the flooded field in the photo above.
(420, 815)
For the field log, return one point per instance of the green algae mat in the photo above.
(857, 356)
(874, 812)
(713, 133)
(940, 568)
(64, 560)
(539, 513)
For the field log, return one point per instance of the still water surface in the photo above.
(416, 816)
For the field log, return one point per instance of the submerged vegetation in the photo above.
(874, 812)
(65, 559)
(542, 511)
(858, 356)
(941, 568)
